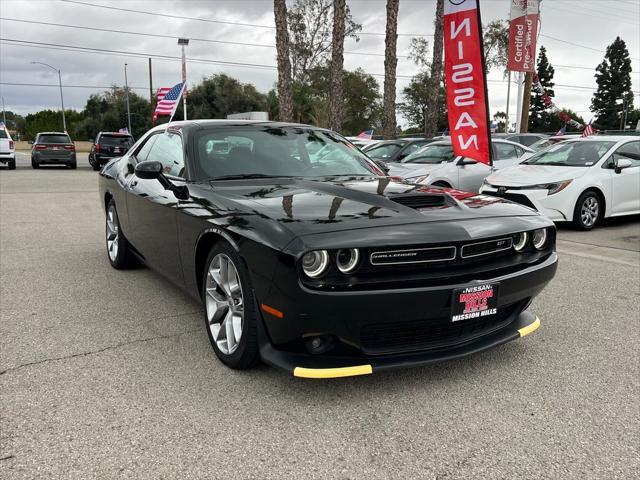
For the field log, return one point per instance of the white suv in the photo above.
(7, 149)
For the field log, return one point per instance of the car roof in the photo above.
(53, 133)
(606, 138)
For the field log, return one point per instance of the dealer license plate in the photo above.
(476, 301)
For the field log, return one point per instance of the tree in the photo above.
(285, 95)
(361, 100)
(614, 94)
(539, 114)
(108, 112)
(220, 95)
(390, 64)
(496, 44)
(501, 121)
(310, 35)
(416, 97)
(336, 101)
(435, 80)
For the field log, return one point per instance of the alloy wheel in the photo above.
(224, 303)
(112, 234)
(589, 211)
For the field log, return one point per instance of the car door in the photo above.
(152, 210)
(625, 186)
(471, 174)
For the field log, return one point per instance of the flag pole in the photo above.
(484, 81)
(175, 107)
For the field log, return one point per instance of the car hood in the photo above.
(520, 175)
(304, 206)
(409, 170)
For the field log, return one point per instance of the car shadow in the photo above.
(607, 222)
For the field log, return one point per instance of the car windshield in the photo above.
(384, 151)
(275, 151)
(54, 139)
(431, 154)
(571, 154)
(116, 141)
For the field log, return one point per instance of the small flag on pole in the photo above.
(123, 130)
(169, 102)
(588, 130)
(366, 135)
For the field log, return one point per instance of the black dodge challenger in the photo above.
(307, 256)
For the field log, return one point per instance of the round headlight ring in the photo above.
(520, 241)
(315, 263)
(540, 238)
(347, 259)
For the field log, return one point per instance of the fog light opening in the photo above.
(319, 344)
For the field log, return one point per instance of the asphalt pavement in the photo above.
(109, 374)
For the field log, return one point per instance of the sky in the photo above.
(574, 32)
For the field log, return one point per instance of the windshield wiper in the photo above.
(243, 176)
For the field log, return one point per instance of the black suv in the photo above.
(109, 145)
(53, 148)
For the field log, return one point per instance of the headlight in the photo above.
(315, 263)
(520, 241)
(347, 260)
(419, 179)
(552, 187)
(539, 238)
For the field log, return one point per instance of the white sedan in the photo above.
(582, 181)
(436, 164)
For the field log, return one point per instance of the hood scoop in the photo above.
(420, 200)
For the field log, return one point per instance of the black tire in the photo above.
(73, 165)
(123, 257)
(441, 184)
(11, 164)
(246, 353)
(588, 211)
(95, 166)
(34, 164)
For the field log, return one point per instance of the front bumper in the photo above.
(305, 366)
(349, 316)
(557, 207)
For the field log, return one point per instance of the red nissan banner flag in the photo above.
(465, 79)
(523, 33)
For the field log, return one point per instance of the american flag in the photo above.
(588, 130)
(162, 92)
(366, 135)
(169, 102)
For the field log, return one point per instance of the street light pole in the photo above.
(64, 120)
(183, 42)
(126, 92)
(4, 117)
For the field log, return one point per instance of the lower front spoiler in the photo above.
(308, 366)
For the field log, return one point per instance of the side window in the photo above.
(629, 151)
(167, 150)
(519, 151)
(143, 152)
(505, 151)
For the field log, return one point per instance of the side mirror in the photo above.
(466, 161)
(622, 163)
(148, 170)
(382, 165)
(30, 142)
(151, 169)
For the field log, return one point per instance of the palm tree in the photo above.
(431, 114)
(390, 64)
(285, 95)
(336, 98)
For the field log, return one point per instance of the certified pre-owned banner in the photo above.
(466, 80)
(523, 31)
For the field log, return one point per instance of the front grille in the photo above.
(485, 248)
(514, 197)
(419, 200)
(429, 334)
(414, 255)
